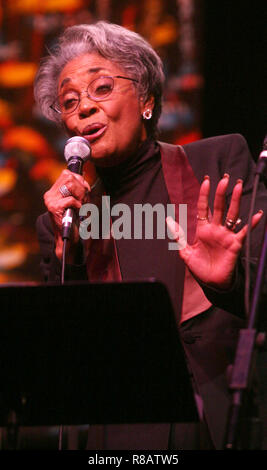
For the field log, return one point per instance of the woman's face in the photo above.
(114, 127)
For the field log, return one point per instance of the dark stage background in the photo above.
(235, 45)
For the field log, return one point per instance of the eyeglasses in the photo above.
(98, 90)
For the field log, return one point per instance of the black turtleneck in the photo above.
(139, 180)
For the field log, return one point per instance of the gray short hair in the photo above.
(116, 43)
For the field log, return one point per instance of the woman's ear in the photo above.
(148, 104)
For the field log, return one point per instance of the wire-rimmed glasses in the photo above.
(97, 90)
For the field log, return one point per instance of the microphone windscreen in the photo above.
(77, 147)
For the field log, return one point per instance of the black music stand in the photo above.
(83, 353)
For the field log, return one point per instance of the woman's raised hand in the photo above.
(213, 255)
(69, 190)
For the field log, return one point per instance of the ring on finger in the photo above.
(64, 191)
(232, 224)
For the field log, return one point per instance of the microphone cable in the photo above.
(247, 245)
(259, 173)
(63, 263)
(62, 281)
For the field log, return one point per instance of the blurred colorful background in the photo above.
(31, 148)
(184, 32)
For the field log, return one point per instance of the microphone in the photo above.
(262, 160)
(77, 151)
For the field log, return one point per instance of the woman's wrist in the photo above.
(226, 287)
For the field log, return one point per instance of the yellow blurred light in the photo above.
(8, 178)
(5, 114)
(13, 256)
(17, 74)
(164, 34)
(27, 139)
(37, 6)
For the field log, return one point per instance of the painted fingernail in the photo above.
(206, 177)
(226, 175)
(239, 180)
(260, 211)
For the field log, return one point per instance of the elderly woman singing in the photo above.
(104, 83)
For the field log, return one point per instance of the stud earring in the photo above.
(147, 114)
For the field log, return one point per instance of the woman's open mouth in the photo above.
(93, 131)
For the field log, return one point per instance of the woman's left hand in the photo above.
(213, 255)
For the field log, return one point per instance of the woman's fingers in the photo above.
(233, 211)
(203, 201)
(58, 204)
(67, 202)
(58, 207)
(177, 233)
(219, 200)
(75, 184)
(254, 222)
(69, 174)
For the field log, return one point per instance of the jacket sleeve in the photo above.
(230, 154)
(50, 264)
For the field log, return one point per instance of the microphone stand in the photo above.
(62, 281)
(77, 151)
(241, 375)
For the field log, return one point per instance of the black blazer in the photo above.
(210, 338)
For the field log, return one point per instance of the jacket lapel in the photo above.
(182, 185)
